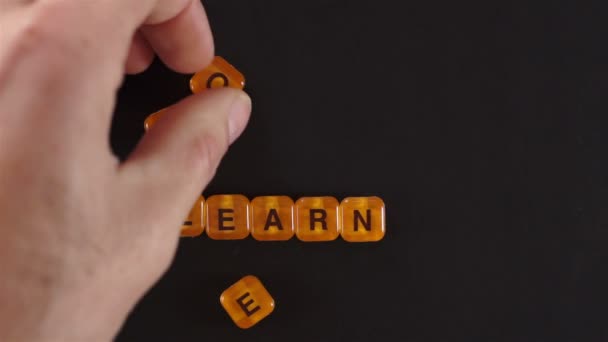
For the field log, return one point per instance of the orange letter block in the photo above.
(193, 226)
(272, 218)
(362, 219)
(317, 219)
(247, 302)
(227, 217)
(217, 75)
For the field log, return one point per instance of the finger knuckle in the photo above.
(44, 30)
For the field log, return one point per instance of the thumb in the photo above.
(179, 155)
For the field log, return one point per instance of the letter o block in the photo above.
(247, 302)
(218, 74)
(193, 225)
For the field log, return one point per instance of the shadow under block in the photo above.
(194, 224)
(362, 219)
(227, 217)
(272, 218)
(247, 302)
(317, 219)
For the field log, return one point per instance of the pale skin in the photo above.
(82, 235)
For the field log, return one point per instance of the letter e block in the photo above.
(247, 302)
(227, 217)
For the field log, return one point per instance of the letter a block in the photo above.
(272, 218)
(247, 302)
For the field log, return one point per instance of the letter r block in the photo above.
(317, 219)
(218, 74)
(247, 302)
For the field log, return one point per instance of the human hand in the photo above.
(83, 236)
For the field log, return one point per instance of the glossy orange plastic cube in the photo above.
(153, 118)
(218, 74)
(317, 219)
(362, 219)
(193, 225)
(272, 218)
(227, 217)
(247, 302)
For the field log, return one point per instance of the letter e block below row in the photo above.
(247, 302)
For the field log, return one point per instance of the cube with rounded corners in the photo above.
(362, 219)
(247, 302)
(272, 218)
(317, 219)
(227, 217)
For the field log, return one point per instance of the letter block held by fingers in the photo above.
(247, 302)
(218, 74)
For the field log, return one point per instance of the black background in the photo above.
(480, 124)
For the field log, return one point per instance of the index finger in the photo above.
(184, 43)
(177, 30)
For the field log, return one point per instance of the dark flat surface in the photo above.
(481, 124)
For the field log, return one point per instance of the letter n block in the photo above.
(362, 219)
(317, 219)
(227, 217)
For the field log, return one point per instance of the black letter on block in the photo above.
(245, 306)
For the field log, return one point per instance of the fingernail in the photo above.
(238, 116)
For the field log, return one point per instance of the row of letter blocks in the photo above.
(279, 218)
